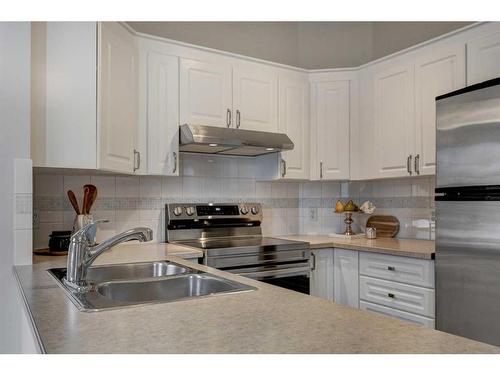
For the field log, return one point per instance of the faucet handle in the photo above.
(88, 232)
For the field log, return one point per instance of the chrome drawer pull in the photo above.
(391, 268)
(391, 295)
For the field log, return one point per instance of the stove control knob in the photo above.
(255, 210)
(244, 210)
(190, 211)
(177, 211)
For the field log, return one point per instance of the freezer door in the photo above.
(468, 137)
(467, 267)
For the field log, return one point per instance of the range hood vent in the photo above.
(228, 141)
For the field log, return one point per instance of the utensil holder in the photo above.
(81, 221)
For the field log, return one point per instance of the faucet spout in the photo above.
(141, 234)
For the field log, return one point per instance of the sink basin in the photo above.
(129, 271)
(171, 289)
(122, 285)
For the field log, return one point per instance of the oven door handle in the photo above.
(276, 273)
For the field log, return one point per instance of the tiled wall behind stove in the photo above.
(129, 201)
(289, 207)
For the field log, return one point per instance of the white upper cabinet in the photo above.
(440, 71)
(255, 97)
(394, 119)
(483, 58)
(330, 119)
(162, 114)
(64, 89)
(118, 99)
(294, 122)
(82, 119)
(205, 93)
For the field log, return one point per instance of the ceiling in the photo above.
(309, 45)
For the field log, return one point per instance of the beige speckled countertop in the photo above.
(268, 320)
(410, 248)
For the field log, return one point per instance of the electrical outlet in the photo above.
(313, 214)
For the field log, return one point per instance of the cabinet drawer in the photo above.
(398, 314)
(404, 297)
(400, 269)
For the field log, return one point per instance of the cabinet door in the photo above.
(437, 73)
(255, 98)
(118, 79)
(321, 281)
(332, 129)
(346, 277)
(205, 93)
(293, 121)
(394, 119)
(483, 58)
(163, 114)
(63, 84)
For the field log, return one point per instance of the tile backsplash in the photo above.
(289, 207)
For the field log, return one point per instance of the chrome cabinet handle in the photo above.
(283, 167)
(313, 258)
(228, 117)
(408, 164)
(137, 160)
(320, 169)
(416, 164)
(238, 119)
(175, 162)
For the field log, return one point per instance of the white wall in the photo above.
(14, 143)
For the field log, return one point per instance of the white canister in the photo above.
(371, 233)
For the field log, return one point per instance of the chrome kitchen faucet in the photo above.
(83, 251)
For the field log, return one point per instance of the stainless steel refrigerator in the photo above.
(467, 263)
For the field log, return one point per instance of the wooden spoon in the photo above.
(86, 196)
(92, 196)
(73, 201)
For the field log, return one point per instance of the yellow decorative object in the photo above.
(339, 207)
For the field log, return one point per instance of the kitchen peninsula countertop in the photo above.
(268, 320)
(423, 249)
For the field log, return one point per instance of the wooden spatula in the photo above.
(73, 201)
(91, 198)
(86, 196)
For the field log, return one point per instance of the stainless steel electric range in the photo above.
(230, 236)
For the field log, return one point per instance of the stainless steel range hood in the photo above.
(228, 141)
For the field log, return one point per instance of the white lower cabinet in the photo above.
(346, 277)
(321, 281)
(396, 286)
(398, 314)
(410, 298)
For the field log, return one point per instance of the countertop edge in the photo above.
(343, 245)
(26, 305)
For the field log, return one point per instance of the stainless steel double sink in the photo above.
(122, 285)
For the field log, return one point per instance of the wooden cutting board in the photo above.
(386, 225)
